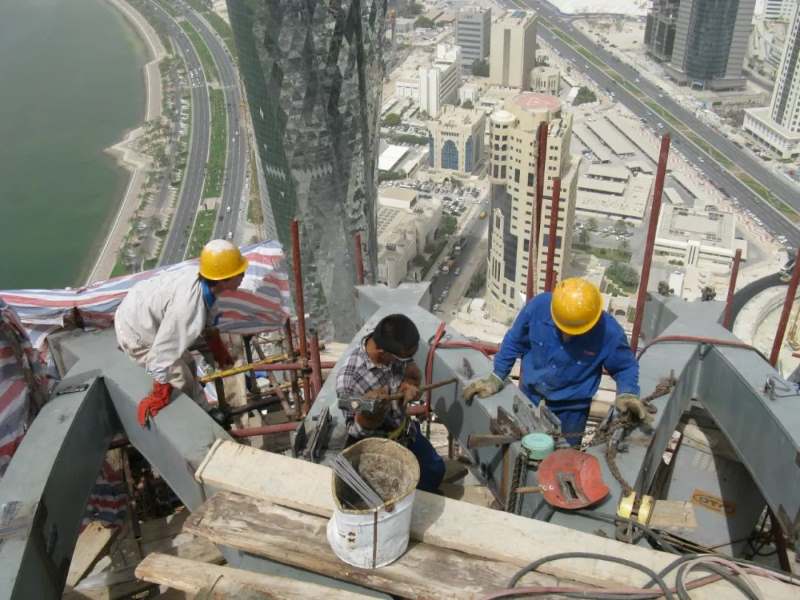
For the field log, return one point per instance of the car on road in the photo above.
(457, 271)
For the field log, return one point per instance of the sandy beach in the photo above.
(127, 157)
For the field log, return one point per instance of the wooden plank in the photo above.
(674, 515)
(120, 581)
(447, 523)
(192, 577)
(92, 541)
(299, 539)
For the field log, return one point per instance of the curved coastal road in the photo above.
(192, 185)
(236, 158)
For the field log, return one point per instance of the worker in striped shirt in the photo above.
(383, 364)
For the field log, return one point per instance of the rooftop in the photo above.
(391, 156)
(711, 227)
(458, 117)
(607, 172)
(516, 18)
(534, 101)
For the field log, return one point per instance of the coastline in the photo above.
(123, 151)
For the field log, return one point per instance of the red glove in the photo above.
(154, 402)
(218, 349)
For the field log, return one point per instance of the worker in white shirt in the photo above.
(162, 317)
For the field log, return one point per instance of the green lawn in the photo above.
(614, 254)
(120, 268)
(254, 213)
(209, 68)
(201, 233)
(223, 29)
(167, 6)
(215, 167)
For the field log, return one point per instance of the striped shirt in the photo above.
(360, 375)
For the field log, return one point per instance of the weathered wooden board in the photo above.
(448, 523)
(226, 582)
(299, 539)
(92, 541)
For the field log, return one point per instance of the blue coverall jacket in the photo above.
(566, 374)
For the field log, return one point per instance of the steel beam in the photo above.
(176, 442)
(44, 492)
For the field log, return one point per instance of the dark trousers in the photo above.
(431, 465)
(573, 415)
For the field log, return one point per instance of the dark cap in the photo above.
(396, 334)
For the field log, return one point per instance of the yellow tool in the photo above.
(253, 366)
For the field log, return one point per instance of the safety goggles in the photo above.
(399, 359)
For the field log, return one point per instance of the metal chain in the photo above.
(663, 388)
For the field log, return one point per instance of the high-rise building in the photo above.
(313, 72)
(439, 83)
(711, 39)
(512, 177)
(513, 50)
(473, 31)
(659, 32)
(779, 10)
(456, 139)
(778, 126)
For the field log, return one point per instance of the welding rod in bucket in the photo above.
(348, 474)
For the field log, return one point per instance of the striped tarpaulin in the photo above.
(20, 370)
(260, 304)
(27, 317)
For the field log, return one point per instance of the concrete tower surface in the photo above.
(313, 72)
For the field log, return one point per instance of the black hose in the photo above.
(687, 557)
(733, 579)
(591, 555)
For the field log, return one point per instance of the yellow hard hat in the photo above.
(576, 306)
(221, 260)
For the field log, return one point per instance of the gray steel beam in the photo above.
(178, 438)
(44, 492)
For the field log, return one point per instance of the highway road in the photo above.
(192, 185)
(441, 283)
(773, 221)
(236, 157)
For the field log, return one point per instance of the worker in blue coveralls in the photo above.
(565, 339)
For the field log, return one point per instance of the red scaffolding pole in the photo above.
(300, 308)
(727, 321)
(549, 275)
(359, 259)
(316, 363)
(655, 211)
(787, 309)
(536, 217)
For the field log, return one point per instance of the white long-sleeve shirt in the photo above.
(162, 316)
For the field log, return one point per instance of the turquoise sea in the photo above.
(71, 85)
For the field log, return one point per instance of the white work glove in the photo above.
(483, 388)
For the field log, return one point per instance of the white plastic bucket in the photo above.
(372, 538)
